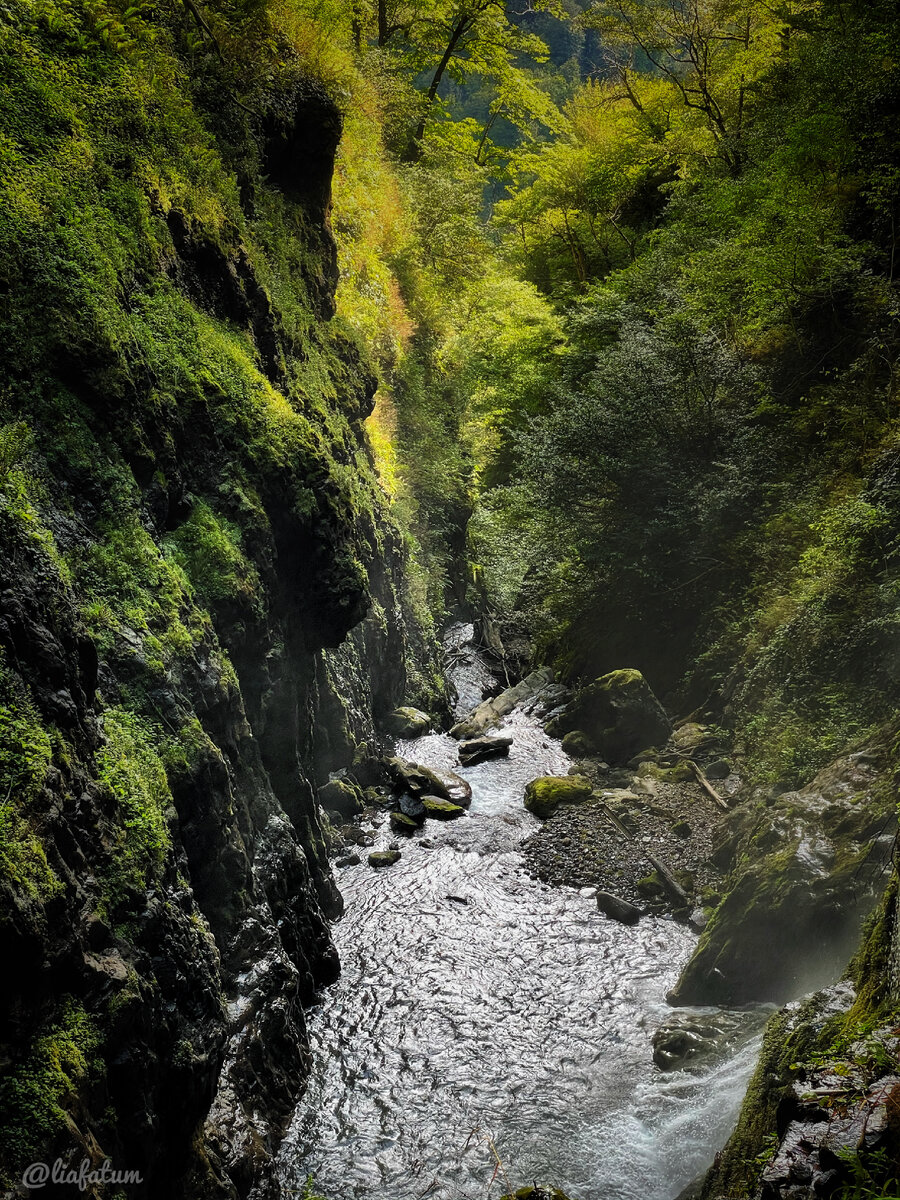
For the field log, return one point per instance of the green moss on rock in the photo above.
(544, 795)
(407, 722)
(440, 809)
(131, 769)
(37, 1087)
(342, 797)
(577, 744)
(384, 858)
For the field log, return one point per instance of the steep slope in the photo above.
(188, 519)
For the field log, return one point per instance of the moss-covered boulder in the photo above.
(417, 780)
(441, 809)
(680, 773)
(546, 793)
(692, 738)
(619, 714)
(577, 744)
(401, 823)
(406, 722)
(384, 858)
(342, 797)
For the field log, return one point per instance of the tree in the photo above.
(459, 39)
(712, 52)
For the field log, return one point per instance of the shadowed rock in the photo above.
(476, 750)
(617, 909)
(618, 714)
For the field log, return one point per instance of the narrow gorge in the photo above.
(449, 600)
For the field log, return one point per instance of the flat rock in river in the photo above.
(476, 750)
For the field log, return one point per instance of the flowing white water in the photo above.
(481, 1014)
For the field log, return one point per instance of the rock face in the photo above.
(812, 870)
(818, 1098)
(185, 657)
(617, 714)
(545, 794)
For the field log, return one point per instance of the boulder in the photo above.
(546, 793)
(342, 797)
(384, 858)
(577, 744)
(401, 823)
(442, 810)
(476, 750)
(720, 769)
(412, 807)
(806, 870)
(693, 739)
(489, 712)
(453, 787)
(618, 713)
(680, 773)
(406, 722)
(618, 909)
(419, 781)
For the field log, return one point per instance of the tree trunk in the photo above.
(414, 151)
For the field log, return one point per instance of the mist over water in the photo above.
(479, 1010)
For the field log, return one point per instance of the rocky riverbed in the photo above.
(484, 1012)
(580, 846)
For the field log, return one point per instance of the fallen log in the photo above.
(672, 886)
(614, 820)
(708, 787)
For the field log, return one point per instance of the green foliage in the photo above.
(309, 1192)
(130, 767)
(210, 549)
(873, 1175)
(25, 757)
(41, 1083)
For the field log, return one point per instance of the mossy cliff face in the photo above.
(188, 518)
(806, 869)
(819, 1113)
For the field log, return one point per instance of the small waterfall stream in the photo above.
(481, 1013)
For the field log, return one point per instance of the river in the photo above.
(482, 1015)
